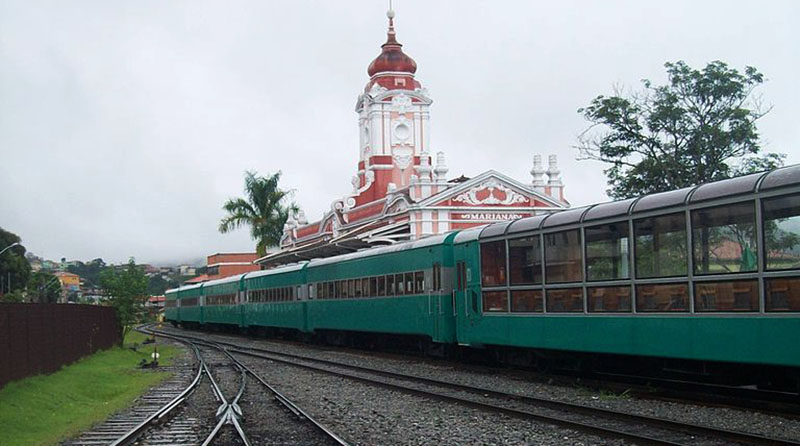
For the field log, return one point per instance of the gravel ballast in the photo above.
(367, 415)
(503, 380)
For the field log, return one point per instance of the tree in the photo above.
(89, 272)
(127, 291)
(699, 127)
(43, 287)
(265, 210)
(157, 285)
(15, 270)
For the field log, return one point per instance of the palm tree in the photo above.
(263, 210)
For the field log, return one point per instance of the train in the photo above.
(703, 279)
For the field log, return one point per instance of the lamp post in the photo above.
(9, 247)
(9, 274)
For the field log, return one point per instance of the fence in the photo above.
(40, 338)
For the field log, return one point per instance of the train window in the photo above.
(365, 289)
(494, 301)
(737, 295)
(660, 246)
(419, 282)
(399, 285)
(563, 256)
(493, 263)
(381, 285)
(662, 297)
(373, 286)
(724, 239)
(782, 232)
(342, 291)
(526, 301)
(351, 288)
(783, 294)
(607, 249)
(409, 283)
(437, 277)
(390, 285)
(525, 260)
(609, 299)
(357, 289)
(565, 300)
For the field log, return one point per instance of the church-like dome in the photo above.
(392, 58)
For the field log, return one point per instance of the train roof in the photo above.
(224, 280)
(421, 243)
(279, 270)
(468, 235)
(758, 182)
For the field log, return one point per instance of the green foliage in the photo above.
(699, 127)
(43, 287)
(14, 267)
(265, 210)
(15, 296)
(157, 285)
(126, 288)
(42, 410)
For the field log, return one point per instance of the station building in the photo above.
(400, 190)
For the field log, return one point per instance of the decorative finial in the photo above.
(390, 15)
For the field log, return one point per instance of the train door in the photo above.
(465, 292)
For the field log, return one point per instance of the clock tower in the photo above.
(394, 125)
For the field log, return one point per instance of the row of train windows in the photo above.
(221, 299)
(282, 294)
(189, 302)
(377, 286)
(730, 296)
(170, 303)
(724, 240)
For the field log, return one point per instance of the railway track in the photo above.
(770, 402)
(597, 421)
(149, 408)
(229, 378)
(159, 419)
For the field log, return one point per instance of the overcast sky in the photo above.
(124, 126)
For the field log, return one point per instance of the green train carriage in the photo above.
(171, 305)
(222, 300)
(402, 289)
(190, 309)
(276, 299)
(708, 273)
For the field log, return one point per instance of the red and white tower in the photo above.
(394, 125)
(398, 193)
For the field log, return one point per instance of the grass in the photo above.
(42, 410)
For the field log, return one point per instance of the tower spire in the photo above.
(391, 34)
